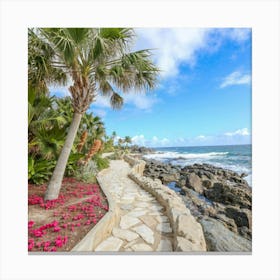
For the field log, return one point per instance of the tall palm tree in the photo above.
(98, 61)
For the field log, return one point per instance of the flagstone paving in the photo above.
(143, 224)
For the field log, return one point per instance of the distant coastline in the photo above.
(237, 158)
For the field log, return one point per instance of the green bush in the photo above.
(101, 163)
(72, 164)
(87, 173)
(116, 155)
(39, 171)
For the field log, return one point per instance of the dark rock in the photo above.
(219, 238)
(207, 184)
(227, 222)
(182, 192)
(182, 182)
(237, 179)
(242, 217)
(215, 193)
(141, 150)
(230, 195)
(245, 232)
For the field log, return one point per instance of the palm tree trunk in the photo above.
(57, 176)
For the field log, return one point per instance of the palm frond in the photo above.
(116, 101)
(135, 70)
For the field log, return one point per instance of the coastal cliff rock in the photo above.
(221, 239)
(221, 201)
(141, 150)
(230, 194)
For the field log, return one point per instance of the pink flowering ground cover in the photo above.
(58, 225)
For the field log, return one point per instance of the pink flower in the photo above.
(39, 244)
(47, 243)
(87, 222)
(54, 223)
(57, 229)
(30, 224)
(38, 232)
(60, 241)
(30, 244)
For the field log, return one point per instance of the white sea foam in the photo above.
(218, 159)
(175, 155)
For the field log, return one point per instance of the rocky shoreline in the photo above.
(220, 200)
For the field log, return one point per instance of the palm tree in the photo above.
(120, 142)
(41, 71)
(127, 140)
(98, 61)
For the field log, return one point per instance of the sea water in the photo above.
(237, 158)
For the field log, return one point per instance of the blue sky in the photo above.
(204, 91)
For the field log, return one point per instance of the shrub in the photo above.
(72, 164)
(87, 173)
(101, 163)
(39, 171)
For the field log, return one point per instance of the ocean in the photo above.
(237, 158)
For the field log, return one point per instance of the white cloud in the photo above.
(236, 78)
(140, 101)
(139, 140)
(153, 142)
(172, 46)
(240, 136)
(102, 101)
(242, 132)
(239, 34)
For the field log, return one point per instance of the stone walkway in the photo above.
(143, 224)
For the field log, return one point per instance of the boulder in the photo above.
(194, 182)
(219, 238)
(230, 195)
(207, 184)
(169, 177)
(184, 245)
(189, 228)
(242, 217)
(227, 222)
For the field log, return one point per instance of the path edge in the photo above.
(104, 227)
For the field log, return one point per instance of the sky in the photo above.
(203, 96)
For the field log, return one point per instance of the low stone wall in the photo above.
(104, 227)
(137, 165)
(188, 233)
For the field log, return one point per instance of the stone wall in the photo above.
(188, 233)
(104, 227)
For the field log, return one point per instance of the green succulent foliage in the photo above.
(40, 170)
(101, 163)
(87, 173)
(72, 164)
